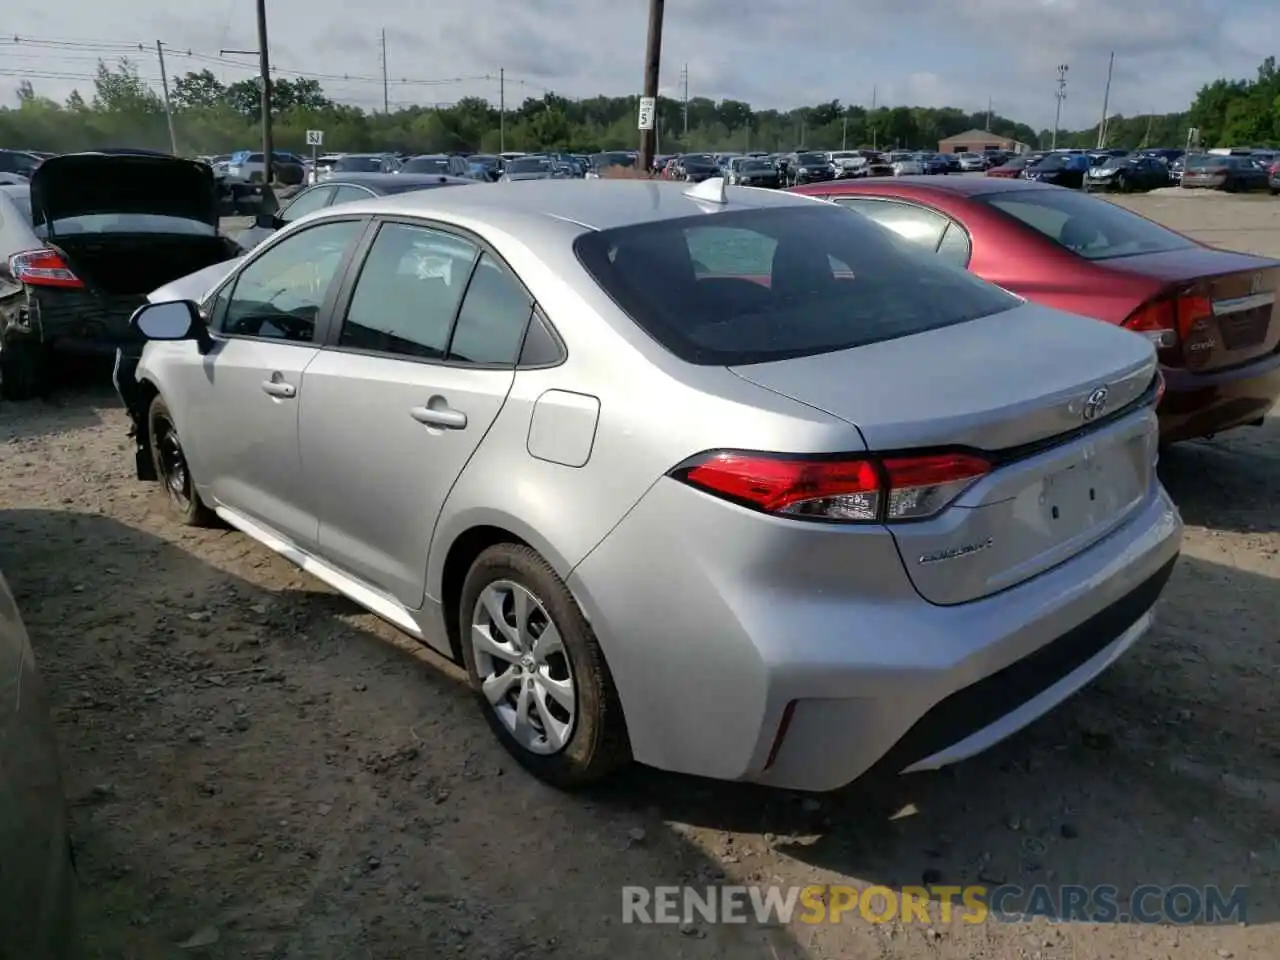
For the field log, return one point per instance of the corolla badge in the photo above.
(955, 553)
(1095, 405)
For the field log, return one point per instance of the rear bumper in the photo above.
(84, 323)
(1199, 404)
(744, 649)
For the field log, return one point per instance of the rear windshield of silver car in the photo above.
(753, 286)
(1088, 227)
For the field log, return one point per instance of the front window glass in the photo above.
(280, 293)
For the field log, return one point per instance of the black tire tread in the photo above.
(196, 513)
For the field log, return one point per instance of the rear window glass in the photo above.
(753, 286)
(425, 165)
(358, 165)
(1089, 227)
(529, 165)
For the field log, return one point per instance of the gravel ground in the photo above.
(259, 769)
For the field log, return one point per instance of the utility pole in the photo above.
(502, 109)
(168, 109)
(988, 114)
(652, 66)
(264, 82)
(386, 98)
(1060, 94)
(844, 132)
(1106, 98)
(684, 99)
(871, 116)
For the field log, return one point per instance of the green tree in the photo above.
(121, 90)
(197, 91)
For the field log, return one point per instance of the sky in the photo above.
(960, 53)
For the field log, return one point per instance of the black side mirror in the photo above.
(268, 221)
(172, 320)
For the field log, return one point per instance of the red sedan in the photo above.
(1211, 313)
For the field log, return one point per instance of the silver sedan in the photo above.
(728, 481)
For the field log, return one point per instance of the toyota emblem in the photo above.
(1095, 405)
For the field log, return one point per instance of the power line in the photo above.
(122, 49)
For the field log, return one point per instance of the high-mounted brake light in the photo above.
(1169, 320)
(43, 268)
(853, 489)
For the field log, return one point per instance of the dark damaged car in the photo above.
(84, 244)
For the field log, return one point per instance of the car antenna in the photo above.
(711, 190)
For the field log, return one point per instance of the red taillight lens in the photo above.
(1167, 321)
(42, 268)
(855, 489)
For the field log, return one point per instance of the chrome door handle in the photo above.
(443, 417)
(275, 388)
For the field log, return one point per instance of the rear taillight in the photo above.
(42, 268)
(846, 489)
(1169, 320)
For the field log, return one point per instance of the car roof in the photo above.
(376, 180)
(594, 204)
(965, 186)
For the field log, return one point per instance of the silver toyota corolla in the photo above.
(729, 482)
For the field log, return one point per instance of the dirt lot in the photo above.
(259, 769)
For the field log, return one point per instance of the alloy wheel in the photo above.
(524, 669)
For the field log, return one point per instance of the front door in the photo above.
(397, 405)
(242, 397)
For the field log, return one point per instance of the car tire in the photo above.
(24, 370)
(582, 745)
(170, 462)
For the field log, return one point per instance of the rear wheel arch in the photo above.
(462, 554)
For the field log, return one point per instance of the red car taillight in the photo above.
(1167, 320)
(846, 489)
(43, 268)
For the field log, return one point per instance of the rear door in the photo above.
(239, 401)
(402, 396)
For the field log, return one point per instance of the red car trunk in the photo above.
(1216, 310)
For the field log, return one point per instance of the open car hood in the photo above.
(81, 184)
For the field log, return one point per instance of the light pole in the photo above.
(1060, 94)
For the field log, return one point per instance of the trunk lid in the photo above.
(83, 184)
(1038, 389)
(1231, 315)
